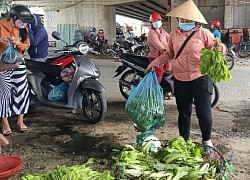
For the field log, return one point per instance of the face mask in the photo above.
(186, 26)
(20, 24)
(157, 24)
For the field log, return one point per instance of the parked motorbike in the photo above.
(84, 92)
(137, 48)
(135, 67)
(231, 56)
(243, 49)
(100, 46)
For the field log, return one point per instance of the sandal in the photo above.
(22, 128)
(7, 132)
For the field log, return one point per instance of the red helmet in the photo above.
(129, 28)
(216, 23)
(155, 16)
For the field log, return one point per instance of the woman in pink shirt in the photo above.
(189, 84)
(157, 40)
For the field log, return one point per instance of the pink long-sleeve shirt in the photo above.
(187, 66)
(157, 42)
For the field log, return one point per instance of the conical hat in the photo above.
(188, 10)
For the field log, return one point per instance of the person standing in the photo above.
(128, 37)
(157, 40)
(215, 26)
(39, 44)
(189, 84)
(14, 92)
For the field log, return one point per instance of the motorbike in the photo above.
(231, 56)
(132, 70)
(100, 46)
(243, 49)
(84, 93)
(137, 48)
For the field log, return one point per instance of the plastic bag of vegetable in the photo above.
(145, 104)
(10, 56)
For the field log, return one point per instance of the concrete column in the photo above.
(229, 14)
(87, 15)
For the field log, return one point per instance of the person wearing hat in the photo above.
(14, 92)
(189, 84)
(129, 37)
(157, 40)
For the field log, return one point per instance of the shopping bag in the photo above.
(59, 93)
(10, 56)
(145, 104)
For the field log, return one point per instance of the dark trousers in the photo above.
(198, 91)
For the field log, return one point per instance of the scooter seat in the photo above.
(51, 70)
(137, 60)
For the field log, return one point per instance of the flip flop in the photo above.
(22, 128)
(7, 132)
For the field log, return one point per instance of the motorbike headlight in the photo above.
(83, 48)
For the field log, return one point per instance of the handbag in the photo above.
(10, 56)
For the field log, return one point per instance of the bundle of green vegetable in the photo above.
(178, 160)
(214, 64)
(77, 172)
(145, 104)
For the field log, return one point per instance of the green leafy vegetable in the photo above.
(214, 64)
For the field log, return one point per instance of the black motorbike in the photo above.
(243, 49)
(135, 67)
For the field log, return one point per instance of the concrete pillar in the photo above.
(174, 4)
(229, 14)
(87, 14)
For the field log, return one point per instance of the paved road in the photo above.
(235, 93)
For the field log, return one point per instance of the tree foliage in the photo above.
(5, 6)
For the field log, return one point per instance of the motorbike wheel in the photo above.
(216, 95)
(94, 106)
(105, 51)
(230, 61)
(115, 55)
(140, 51)
(243, 51)
(126, 80)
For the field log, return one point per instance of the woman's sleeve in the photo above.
(210, 40)
(23, 46)
(153, 39)
(165, 57)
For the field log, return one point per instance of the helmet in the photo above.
(93, 30)
(155, 16)
(22, 13)
(216, 23)
(101, 30)
(129, 28)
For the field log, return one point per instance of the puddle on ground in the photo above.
(242, 120)
(80, 143)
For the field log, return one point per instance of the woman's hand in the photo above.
(150, 69)
(4, 39)
(3, 141)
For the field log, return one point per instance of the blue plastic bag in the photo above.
(59, 93)
(10, 56)
(145, 105)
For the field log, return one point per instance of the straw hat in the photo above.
(188, 10)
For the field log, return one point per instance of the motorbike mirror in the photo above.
(56, 35)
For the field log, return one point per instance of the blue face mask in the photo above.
(186, 26)
(157, 24)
